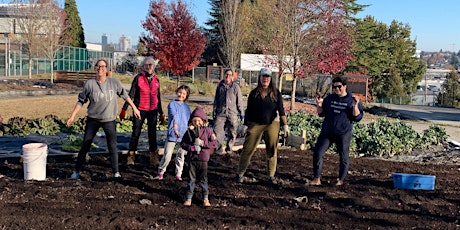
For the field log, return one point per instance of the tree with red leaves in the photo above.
(174, 38)
(310, 37)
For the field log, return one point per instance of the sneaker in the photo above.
(243, 179)
(158, 177)
(239, 179)
(272, 180)
(178, 178)
(188, 203)
(206, 203)
(220, 152)
(117, 175)
(75, 175)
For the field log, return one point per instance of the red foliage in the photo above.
(334, 51)
(175, 39)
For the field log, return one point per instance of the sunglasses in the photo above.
(337, 86)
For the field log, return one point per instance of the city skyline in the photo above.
(430, 21)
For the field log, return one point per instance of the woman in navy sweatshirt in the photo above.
(340, 110)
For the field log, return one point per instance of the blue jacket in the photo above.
(338, 114)
(178, 113)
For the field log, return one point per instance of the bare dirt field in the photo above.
(368, 200)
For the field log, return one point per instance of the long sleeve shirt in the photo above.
(209, 142)
(228, 100)
(338, 114)
(102, 98)
(178, 113)
(263, 110)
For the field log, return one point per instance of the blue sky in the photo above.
(433, 23)
(123, 17)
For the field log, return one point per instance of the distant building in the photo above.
(104, 40)
(93, 46)
(125, 43)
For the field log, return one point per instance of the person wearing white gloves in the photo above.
(264, 105)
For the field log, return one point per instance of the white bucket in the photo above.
(34, 160)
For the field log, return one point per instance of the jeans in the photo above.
(151, 117)
(343, 148)
(197, 170)
(91, 128)
(253, 136)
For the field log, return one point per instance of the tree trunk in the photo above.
(52, 71)
(294, 86)
(280, 83)
(30, 67)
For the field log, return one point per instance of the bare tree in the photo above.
(231, 31)
(53, 26)
(28, 22)
(298, 43)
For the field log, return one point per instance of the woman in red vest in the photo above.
(145, 93)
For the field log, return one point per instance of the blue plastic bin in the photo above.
(413, 181)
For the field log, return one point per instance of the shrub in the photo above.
(382, 137)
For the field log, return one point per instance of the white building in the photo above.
(94, 46)
(125, 43)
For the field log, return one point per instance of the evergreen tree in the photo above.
(212, 53)
(387, 54)
(450, 90)
(74, 34)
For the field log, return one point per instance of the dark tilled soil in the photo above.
(368, 200)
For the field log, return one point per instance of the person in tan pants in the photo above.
(264, 105)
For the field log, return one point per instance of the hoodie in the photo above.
(204, 133)
(338, 114)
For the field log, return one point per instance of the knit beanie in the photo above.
(199, 112)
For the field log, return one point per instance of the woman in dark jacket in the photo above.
(265, 104)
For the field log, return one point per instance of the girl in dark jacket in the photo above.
(199, 141)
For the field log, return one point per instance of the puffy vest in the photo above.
(148, 93)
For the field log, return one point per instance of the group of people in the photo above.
(264, 117)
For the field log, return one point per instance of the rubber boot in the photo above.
(130, 160)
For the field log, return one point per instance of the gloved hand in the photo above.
(196, 148)
(285, 130)
(122, 114)
(198, 142)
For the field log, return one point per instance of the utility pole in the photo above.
(453, 47)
